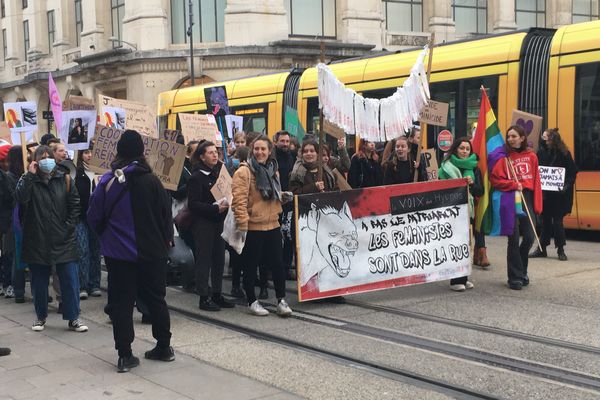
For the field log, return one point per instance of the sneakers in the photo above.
(283, 310)
(9, 292)
(469, 285)
(38, 325)
(539, 253)
(126, 363)
(208, 305)
(459, 287)
(237, 293)
(221, 302)
(96, 293)
(264, 293)
(515, 285)
(83, 295)
(257, 309)
(160, 354)
(76, 326)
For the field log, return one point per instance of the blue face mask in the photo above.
(236, 162)
(47, 165)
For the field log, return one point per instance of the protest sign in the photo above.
(169, 134)
(114, 117)
(165, 157)
(292, 123)
(234, 123)
(139, 117)
(199, 126)
(382, 237)
(432, 164)
(78, 128)
(216, 100)
(222, 187)
(21, 117)
(74, 103)
(435, 113)
(552, 178)
(532, 124)
(333, 130)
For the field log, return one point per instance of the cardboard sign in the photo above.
(333, 130)
(342, 183)
(165, 157)
(199, 126)
(234, 123)
(552, 178)
(78, 128)
(222, 187)
(432, 164)
(139, 117)
(435, 113)
(532, 124)
(75, 103)
(381, 237)
(169, 134)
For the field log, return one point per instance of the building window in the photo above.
(2, 9)
(51, 30)
(587, 117)
(470, 16)
(26, 37)
(403, 15)
(208, 16)
(585, 10)
(78, 21)
(24, 3)
(530, 13)
(311, 17)
(117, 11)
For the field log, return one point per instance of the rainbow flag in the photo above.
(496, 211)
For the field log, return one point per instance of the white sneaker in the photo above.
(38, 325)
(257, 309)
(469, 285)
(77, 326)
(283, 310)
(458, 287)
(83, 295)
(9, 293)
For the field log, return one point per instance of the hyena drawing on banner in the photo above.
(335, 243)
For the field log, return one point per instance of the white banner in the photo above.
(552, 178)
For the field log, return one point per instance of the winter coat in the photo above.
(285, 160)
(49, 216)
(200, 198)
(7, 201)
(182, 188)
(141, 224)
(404, 172)
(559, 203)
(252, 212)
(303, 180)
(364, 173)
(85, 186)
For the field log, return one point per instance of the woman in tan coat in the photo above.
(257, 205)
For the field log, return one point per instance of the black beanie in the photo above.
(130, 145)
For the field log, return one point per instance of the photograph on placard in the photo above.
(21, 116)
(216, 100)
(78, 129)
(234, 124)
(114, 117)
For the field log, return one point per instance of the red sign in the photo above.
(444, 140)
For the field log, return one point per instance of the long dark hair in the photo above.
(556, 142)
(15, 161)
(200, 150)
(519, 129)
(455, 145)
(392, 161)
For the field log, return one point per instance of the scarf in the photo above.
(267, 182)
(466, 165)
(455, 168)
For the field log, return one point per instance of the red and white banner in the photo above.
(378, 238)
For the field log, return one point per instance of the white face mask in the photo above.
(47, 165)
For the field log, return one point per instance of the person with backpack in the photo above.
(131, 212)
(49, 206)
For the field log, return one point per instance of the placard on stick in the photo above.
(222, 187)
(432, 164)
(140, 117)
(531, 123)
(199, 126)
(435, 113)
(333, 130)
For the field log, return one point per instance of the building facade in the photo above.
(135, 49)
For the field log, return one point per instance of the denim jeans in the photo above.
(89, 262)
(69, 287)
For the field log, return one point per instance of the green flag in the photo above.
(292, 123)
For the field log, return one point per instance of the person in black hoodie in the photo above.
(553, 152)
(208, 216)
(365, 170)
(400, 167)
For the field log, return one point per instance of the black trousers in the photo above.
(235, 262)
(517, 255)
(552, 226)
(127, 280)
(210, 256)
(263, 248)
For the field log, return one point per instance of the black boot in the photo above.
(539, 253)
(126, 363)
(561, 254)
(221, 302)
(160, 354)
(207, 304)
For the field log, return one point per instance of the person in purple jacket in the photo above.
(131, 212)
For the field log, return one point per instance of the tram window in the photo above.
(587, 117)
(162, 122)
(255, 117)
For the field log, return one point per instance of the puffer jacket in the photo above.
(49, 215)
(252, 212)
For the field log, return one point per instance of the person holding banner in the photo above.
(400, 167)
(461, 162)
(517, 170)
(553, 152)
(49, 204)
(208, 216)
(304, 176)
(365, 170)
(257, 205)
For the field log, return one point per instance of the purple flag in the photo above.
(55, 103)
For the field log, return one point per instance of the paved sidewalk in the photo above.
(59, 364)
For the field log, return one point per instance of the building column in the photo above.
(503, 16)
(145, 24)
(559, 13)
(255, 22)
(360, 21)
(35, 13)
(14, 33)
(438, 13)
(96, 26)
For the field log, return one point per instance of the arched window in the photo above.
(208, 19)
(470, 16)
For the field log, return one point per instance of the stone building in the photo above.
(135, 49)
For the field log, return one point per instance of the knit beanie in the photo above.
(130, 145)
(4, 151)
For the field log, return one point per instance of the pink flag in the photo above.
(55, 103)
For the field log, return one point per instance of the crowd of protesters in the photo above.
(57, 219)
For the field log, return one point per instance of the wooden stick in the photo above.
(24, 150)
(321, 132)
(514, 176)
(429, 64)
